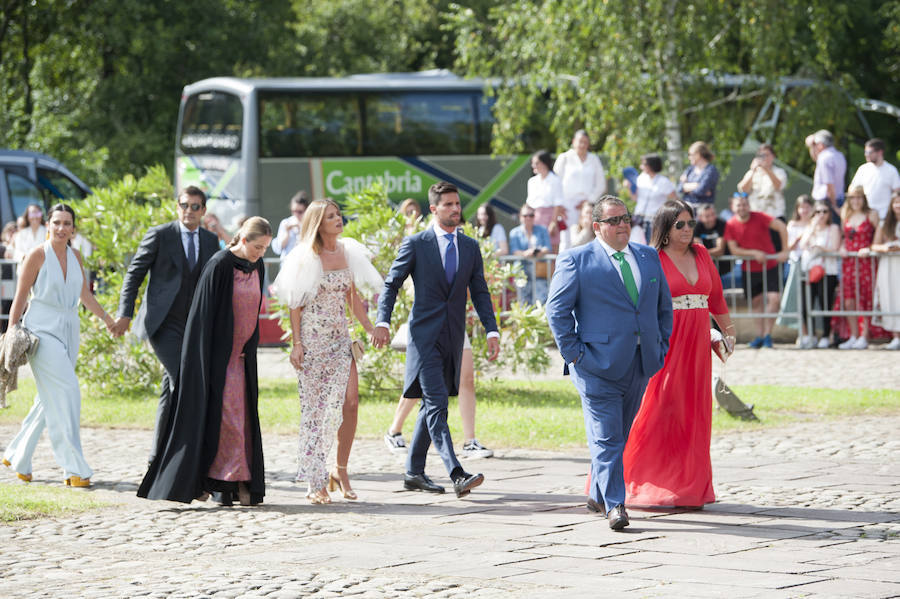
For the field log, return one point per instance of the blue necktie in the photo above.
(192, 250)
(450, 259)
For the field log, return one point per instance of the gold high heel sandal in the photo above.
(24, 477)
(334, 483)
(77, 481)
(319, 497)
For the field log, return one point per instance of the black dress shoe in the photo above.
(421, 482)
(594, 506)
(465, 483)
(618, 518)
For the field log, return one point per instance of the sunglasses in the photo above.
(615, 220)
(528, 215)
(679, 224)
(822, 211)
(195, 207)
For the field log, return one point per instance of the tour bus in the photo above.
(252, 143)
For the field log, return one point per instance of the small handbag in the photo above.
(401, 338)
(356, 348)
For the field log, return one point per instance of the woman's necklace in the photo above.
(327, 251)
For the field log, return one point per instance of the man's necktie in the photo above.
(450, 259)
(627, 277)
(192, 250)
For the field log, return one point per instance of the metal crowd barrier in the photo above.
(877, 261)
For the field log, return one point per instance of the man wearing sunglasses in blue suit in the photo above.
(610, 312)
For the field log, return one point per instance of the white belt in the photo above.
(691, 301)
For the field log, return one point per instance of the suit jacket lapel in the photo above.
(177, 248)
(641, 259)
(464, 255)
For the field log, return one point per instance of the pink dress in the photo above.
(232, 461)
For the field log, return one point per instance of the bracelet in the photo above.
(731, 326)
(298, 343)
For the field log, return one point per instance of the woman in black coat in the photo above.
(211, 442)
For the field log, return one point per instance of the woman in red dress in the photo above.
(858, 223)
(667, 455)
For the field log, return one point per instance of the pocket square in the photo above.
(653, 280)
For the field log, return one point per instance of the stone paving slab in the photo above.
(524, 533)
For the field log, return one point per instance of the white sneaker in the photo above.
(395, 443)
(474, 449)
(861, 343)
(824, 343)
(894, 344)
(848, 344)
(809, 342)
(801, 341)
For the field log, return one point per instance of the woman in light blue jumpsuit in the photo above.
(53, 274)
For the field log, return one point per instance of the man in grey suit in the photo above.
(610, 312)
(174, 254)
(445, 265)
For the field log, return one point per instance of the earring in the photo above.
(666, 240)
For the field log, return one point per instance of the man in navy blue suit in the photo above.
(444, 265)
(610, 312)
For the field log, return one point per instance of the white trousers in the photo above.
(56, 406)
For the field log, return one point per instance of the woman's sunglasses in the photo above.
(679, 224)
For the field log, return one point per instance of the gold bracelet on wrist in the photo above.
(298, 343)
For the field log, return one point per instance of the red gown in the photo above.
(855, 239)
(667, 455)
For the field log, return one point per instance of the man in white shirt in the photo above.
(289, 228)
(878, 178)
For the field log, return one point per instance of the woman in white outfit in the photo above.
(33, 234)
(54, 275)
(583, 180)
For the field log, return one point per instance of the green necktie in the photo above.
(627, 277)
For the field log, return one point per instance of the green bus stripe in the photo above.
(227, 176)
(495, 184)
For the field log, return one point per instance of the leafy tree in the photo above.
(638, 75)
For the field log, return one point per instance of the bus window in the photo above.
(294, 125)
(59, 185)
(212, 124)
(485, 124)
(22, 192)
(420, 123)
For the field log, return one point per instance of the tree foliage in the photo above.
(643, 76)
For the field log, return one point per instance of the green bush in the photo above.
(114, 220)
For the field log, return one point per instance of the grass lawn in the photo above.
(24, 502)
(538, 415)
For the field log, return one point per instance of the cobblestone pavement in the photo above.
(808, 510)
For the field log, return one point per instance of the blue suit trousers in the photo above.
(431, 423)
(609, 409)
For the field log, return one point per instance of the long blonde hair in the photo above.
(312, 220)
(252, 228)
(846, 210)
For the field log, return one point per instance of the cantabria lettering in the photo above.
(338, 184)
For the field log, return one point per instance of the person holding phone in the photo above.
(530, 241)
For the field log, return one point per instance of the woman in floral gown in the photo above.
(666, 458)
(318, 281)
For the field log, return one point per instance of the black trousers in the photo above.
(823, 292)
(166, 343)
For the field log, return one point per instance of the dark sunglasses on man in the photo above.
(615, 220)
(194, 206)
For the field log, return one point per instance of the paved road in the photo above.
(809, 510)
